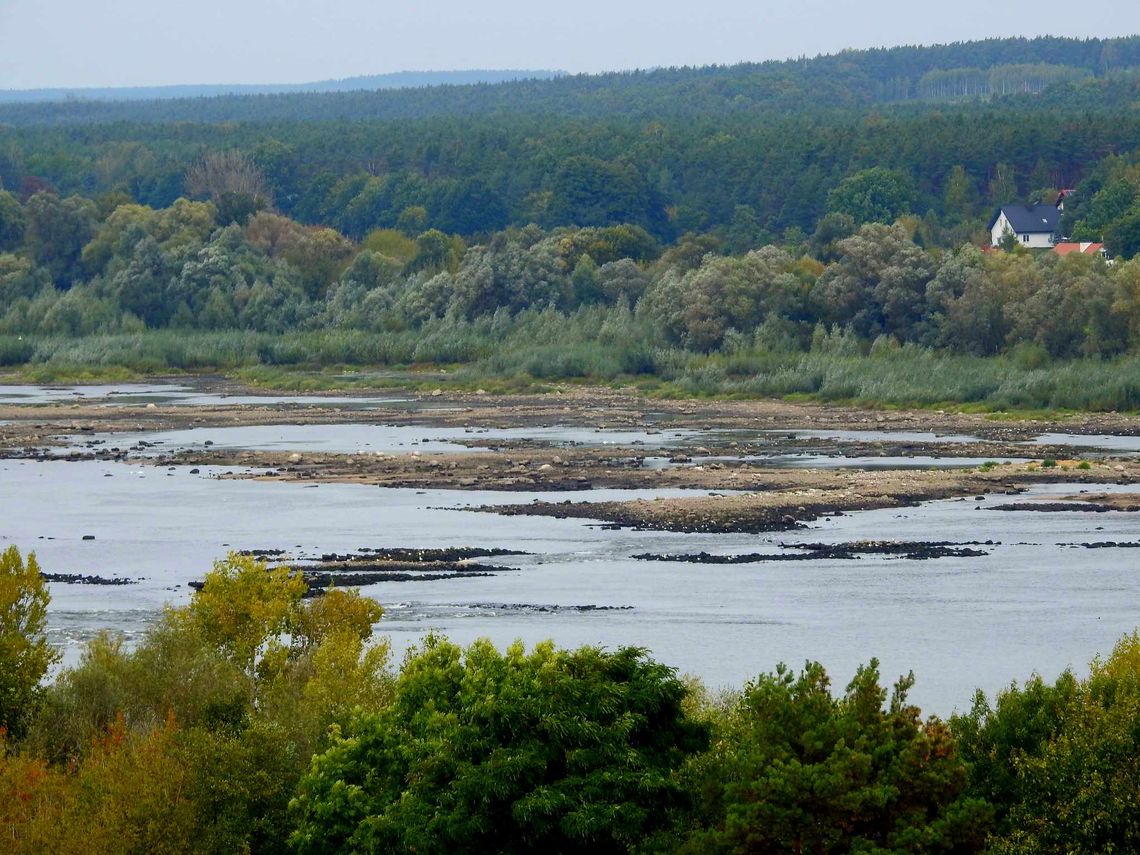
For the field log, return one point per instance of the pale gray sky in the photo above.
(151, 42)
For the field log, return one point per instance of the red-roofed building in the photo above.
(1082, 248)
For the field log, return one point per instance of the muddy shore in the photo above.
(597, 407)
(722, 454)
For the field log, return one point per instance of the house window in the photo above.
(1025, 238)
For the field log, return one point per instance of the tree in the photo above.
(879, 284)
(794, 769)
(833, 228)
(995, 740)
(57, 230)
(25, 654)
(470, 207)
(233, 182)
(1122, 237)
(551, 751)
(875, 195)
(959, 197)
(194, 739)
(436, 251)
(243, 607)
(19, 277)
(1062, 762)
(141, 286)
(1104, 210)
(318, 255)
(12, 222)
(1008, 241)
(588, 191)
(1003, 185)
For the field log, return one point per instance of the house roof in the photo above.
(1030, 219)
(1082, 248)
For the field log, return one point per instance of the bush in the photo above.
(551, 751)
(794, 769)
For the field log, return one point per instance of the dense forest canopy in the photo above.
(755, 148)
(846, 79)
(472, 176)
(675, 210)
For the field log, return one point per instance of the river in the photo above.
(1035, 602)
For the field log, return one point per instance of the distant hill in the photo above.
(374, 82)
(852, 79)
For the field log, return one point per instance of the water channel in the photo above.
(1038, 601)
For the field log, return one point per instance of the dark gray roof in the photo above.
(1030, 218)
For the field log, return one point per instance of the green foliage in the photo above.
(879, 284)
(252, 720)
(794, 769)
(194, 740)
(744, 152)
(25, 654)
(1059, 762)
(875, 195)
(658, 199)
(12, 222)
(56, 232)
(514, 752)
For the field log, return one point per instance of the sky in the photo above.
(76, 43)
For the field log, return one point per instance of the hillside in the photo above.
(373, 82)
(847, 79)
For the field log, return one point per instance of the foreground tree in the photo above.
(552, 751)
(1061, 762)
(25, 654)
(795, 770)
(194, 740)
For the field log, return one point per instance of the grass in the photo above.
(537, 352)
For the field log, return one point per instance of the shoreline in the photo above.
(731, 446)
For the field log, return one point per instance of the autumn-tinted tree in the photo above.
(25, 654)
(233, 182)
(199, 733)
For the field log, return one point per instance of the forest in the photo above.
(254, 719)
(848, 79)
(724, 242)
(91, 283)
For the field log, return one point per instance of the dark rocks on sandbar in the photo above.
(909, 551)
(1060, 507)
(85, 579)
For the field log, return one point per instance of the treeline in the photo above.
(71, 268)
(394, 80)
(256, 720)
(846, 79)
(998, 80)
(761, 175)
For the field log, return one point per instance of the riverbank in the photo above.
(779, 463)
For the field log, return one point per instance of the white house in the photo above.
(1034, 225)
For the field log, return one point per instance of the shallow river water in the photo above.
(1036, 602)
(960, 623)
